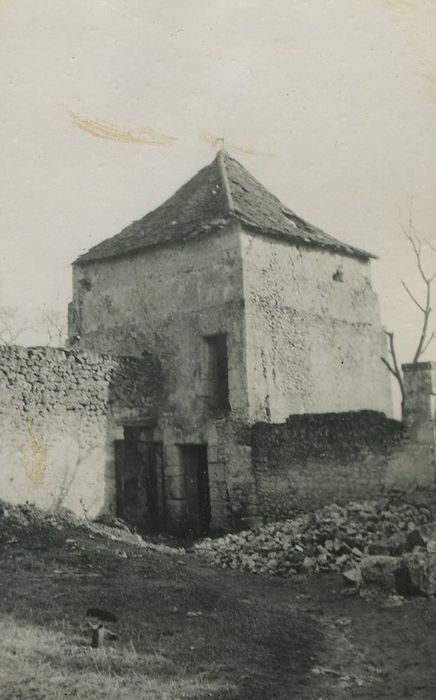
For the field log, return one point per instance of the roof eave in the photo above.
(90, 257)
(288, 237)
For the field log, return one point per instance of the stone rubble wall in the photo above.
(316, 459)
(60, 411)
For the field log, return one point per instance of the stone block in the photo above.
(175, 486)
(415, 539)
(212, 454)
(173, 456)
(219, 516)
(216, 472)
(417, 564)
(381, 571)
(380, 548)
(218, 491)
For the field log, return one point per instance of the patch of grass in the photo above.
(53, 665)
(185, 631)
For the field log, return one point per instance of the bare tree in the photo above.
(49, 326)
(426, 336)
(54, 324)
(11, 325)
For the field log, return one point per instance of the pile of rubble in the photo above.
(335, 538)
(27, 522)
(36, 528)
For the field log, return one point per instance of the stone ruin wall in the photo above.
(312, 460)
(315, 459)
(60, 412)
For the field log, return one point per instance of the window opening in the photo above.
(217, 370)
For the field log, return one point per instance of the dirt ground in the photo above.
(188, 631)
(398, 642)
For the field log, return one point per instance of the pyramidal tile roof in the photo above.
(222, 192)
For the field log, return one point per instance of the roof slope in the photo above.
(221, 192)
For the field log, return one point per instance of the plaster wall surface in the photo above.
(313, 332)
(165, 300)
(60, 412)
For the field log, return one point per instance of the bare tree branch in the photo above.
(394, 368)
(390, 368)
(415, 301)
(425, 306)
(416, 244)
(427, 312)
(11, 326)
(429, 341)
(394, 358)
(54, 323)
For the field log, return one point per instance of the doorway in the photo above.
(198, 512)
(140, 484)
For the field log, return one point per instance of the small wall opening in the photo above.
(217, 371)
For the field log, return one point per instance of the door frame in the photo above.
(198, 514)
(154, 463)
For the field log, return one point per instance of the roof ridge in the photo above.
(224, 177)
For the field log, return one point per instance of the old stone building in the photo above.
(253, 313)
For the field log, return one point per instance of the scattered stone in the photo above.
(378, 548)
(343, 621)
(416, 564)
(428, 531)
(334, 538)
(394, 601)
(398, 544)
(415, 539)
(121, 553)
(405, 585)
(381, 571)
(353, 576)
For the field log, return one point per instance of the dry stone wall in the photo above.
(316, 459)
(60, 411)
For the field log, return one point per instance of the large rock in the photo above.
(415, 539)
(379, 548)
(381, 571)
(431, 550)
(417, 564)
(428, 531)
(353, 576)
(398, 544)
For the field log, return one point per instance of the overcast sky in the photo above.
(341, 93)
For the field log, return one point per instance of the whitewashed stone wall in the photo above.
(60, 412)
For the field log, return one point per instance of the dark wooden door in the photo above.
(197, 489)
(139, 484)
